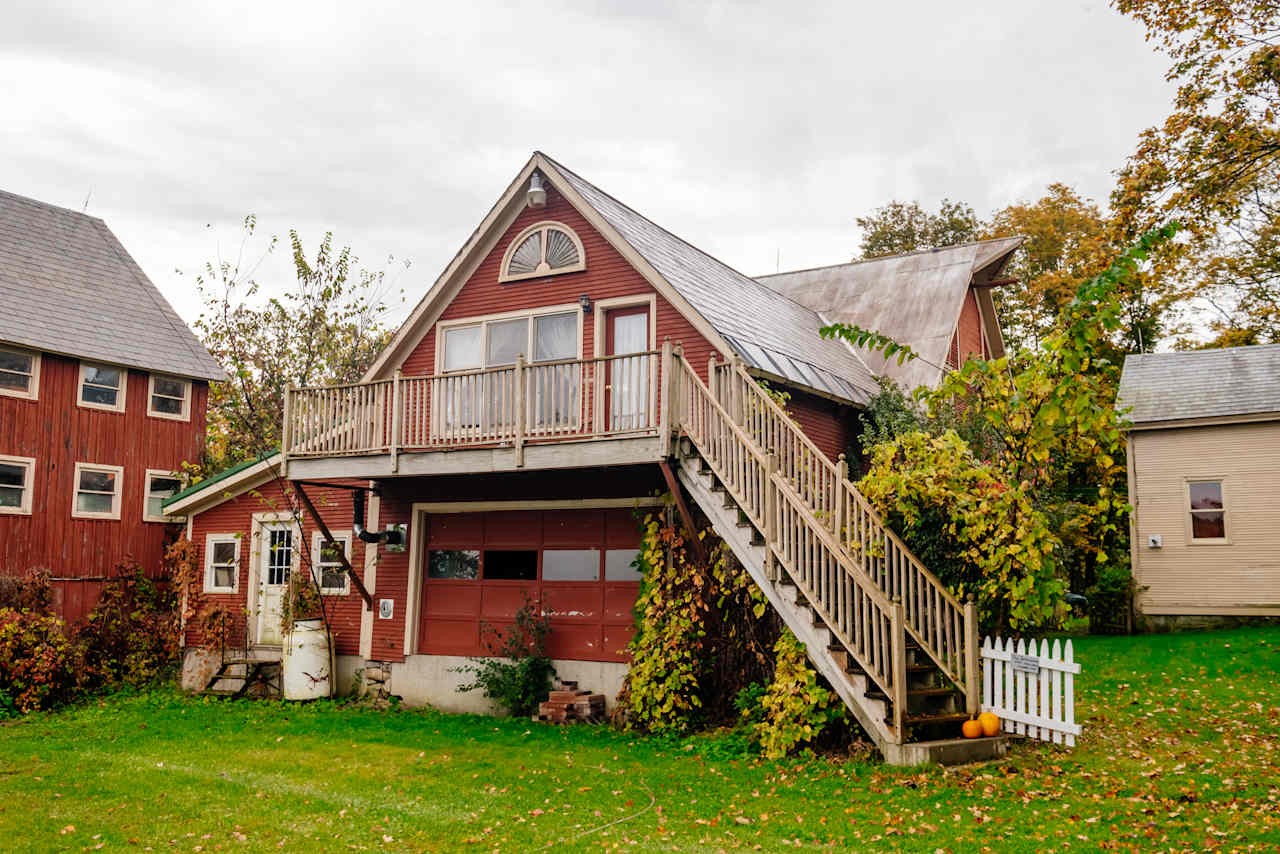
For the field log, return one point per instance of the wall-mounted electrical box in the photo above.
(386, 609)
(404, 538)
(1155, 541)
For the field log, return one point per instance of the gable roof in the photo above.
(914, 298)
(1197, 384)
(68, 286)
(774, 335)
(770, 331)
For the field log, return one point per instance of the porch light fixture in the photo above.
(584, 302)
(537, 195)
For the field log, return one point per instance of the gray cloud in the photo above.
(751, 129)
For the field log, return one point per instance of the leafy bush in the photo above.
(30, 592)
(40, 666)
(132, 634)
(520, 677)
(796, 708)
(1110, 600)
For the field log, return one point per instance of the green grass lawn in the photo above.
(1181, 752)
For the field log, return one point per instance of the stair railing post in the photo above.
(519, 413)
(840, 505)
(898, 634)
(972, 668)
(737, 386)
(713, 380)
(666, 416)
(770, 516)
(286, 432)
(395, 421)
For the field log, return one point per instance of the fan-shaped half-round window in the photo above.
(543, 249)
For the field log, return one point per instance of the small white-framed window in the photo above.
(102, 387)
(161, 485)
(16, 485)
(19, 373)
(97, 491)
(221, 563)
(1207, 511)
(326, 565)
(543, 249)
(169, 397)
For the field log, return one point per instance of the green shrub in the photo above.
(132, 634)
(40, 666)
(519, 678)
(1110, 599)
(796, 709)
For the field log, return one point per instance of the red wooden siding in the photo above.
(827, 423)
(590, 620)
(607, 275)
(968, 340)
(58, 434)
(235, 517)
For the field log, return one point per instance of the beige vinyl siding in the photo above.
(1239, 576)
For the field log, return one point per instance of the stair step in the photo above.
(877, 694)
(236, 661)
(935, 719)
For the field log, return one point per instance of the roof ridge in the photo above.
(1207, 350)
(51, 206)
(888, 257)
(675, 236)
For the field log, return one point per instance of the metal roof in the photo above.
(914, 299)
(67, 286)
(772, 333)
(1195, 384)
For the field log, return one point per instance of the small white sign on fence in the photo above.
(1031, 687)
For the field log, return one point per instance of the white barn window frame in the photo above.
(25, 468)
(93, 489)
(95, 380)
(150, 494)
(169, 397)
(546, 248)
(19, 373)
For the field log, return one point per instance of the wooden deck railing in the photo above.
(601, 397)
(945, 628)
(861, 618)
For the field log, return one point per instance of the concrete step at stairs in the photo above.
(248, 672)
(869, 706)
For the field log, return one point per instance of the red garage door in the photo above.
(576, 564)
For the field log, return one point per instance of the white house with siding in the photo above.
(1204, 482)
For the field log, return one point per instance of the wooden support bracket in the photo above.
(333, 546)
(685, 516)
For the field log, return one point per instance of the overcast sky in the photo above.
(753, 130)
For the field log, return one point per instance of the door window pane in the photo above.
(507, 340)
(464, 348)
(571, 565)
(619, 565)
(453, 563)
(279, 555)
(502, 565)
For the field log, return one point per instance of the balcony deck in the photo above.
(574, 413)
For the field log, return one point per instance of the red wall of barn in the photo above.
(608, 274)
(235, 517)
(58, 434)
(968, 341)
(827, 423)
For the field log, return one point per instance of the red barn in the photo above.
(572, 362)
(103, 391)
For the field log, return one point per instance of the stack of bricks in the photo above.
(569, 705)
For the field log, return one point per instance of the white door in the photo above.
(275, 562)
(627, 331)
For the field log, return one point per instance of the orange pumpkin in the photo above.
(971, 728)
(990, 723)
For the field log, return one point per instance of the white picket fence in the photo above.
(1031, 687)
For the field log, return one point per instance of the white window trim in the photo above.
(520, 238)
(445, 325)
(1187, 511)
(120, 396)
(317, 549)
(185, 415)
(33, 391)
(28, 485)
(209, 540)
(114, 513)
(146, 496)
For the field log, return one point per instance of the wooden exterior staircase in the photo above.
(898, 648)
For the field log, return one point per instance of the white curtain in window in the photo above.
(629, 405)
(555, 337)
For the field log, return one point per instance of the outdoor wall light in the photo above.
(584, 302)
(537, 195)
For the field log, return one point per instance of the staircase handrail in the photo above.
(873, 643)
(944, 627)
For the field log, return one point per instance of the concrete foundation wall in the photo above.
(431, 680)
(200, 663)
